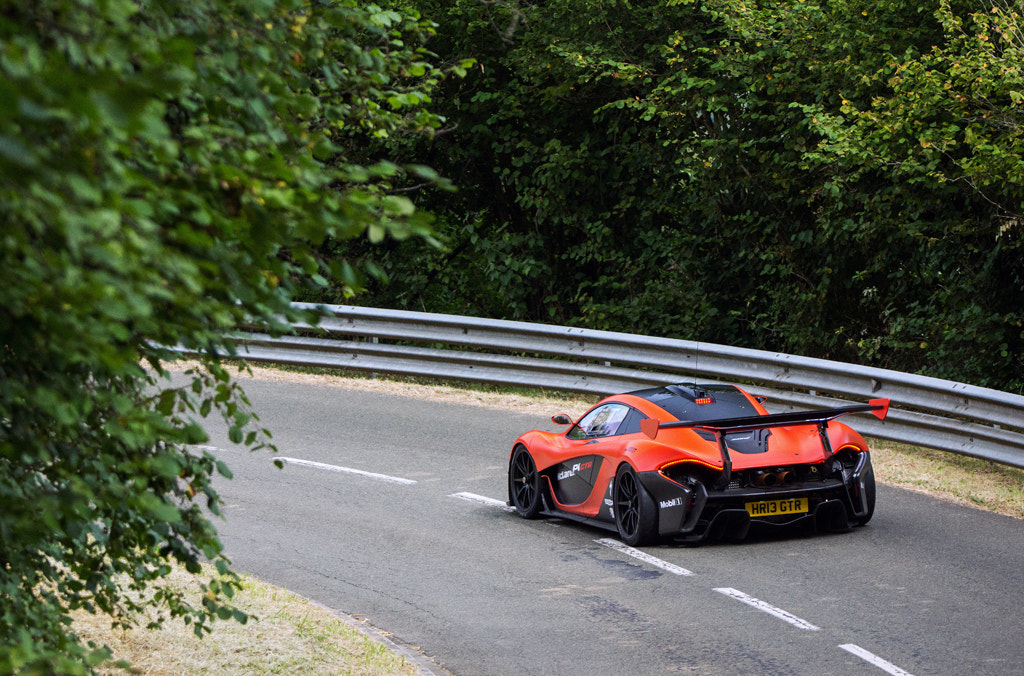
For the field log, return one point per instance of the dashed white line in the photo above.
(490, 502)
(347, 470)
(768, 608)
(856, 650)
(644, 556)
(877, 661)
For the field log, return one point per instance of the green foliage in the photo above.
(930, 171)
(169, 170)
(833, 179)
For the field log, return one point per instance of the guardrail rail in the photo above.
(927, 412)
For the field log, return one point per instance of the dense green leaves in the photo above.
(834, 179)
(169, 170)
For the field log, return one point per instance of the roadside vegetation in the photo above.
(169, 170)
(841, 180)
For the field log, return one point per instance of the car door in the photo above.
(589, 443)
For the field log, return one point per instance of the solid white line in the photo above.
(770, 609)
(347, 470)
(887, 667)
(490, 502)
(643, 556)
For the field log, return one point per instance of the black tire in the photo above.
(636, 515)
(869, 496)
(524, 484)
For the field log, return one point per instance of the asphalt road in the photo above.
(391, 509)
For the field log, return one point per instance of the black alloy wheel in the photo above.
(524, 484)
(635, 514)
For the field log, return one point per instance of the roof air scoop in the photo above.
(696, 394)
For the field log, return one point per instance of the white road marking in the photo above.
(490, 502)
(872, 659)
(768, 608)
(346, 470)
(877, 661)
(643, 556)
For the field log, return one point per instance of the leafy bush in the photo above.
(168, 170)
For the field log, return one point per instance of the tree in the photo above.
(562, 195)
(168, 172)
(932, 167)
(832, 179)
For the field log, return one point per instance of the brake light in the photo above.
(686, 472)
(704, 400)
(688, 461)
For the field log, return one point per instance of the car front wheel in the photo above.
(524, 484)
(635, 514)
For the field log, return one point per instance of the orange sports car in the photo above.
(694, 462)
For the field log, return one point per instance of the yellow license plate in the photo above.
(777, 507)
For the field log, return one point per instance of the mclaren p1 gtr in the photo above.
(694, 462)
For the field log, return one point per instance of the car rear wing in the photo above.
(878, 407)
(821, 418)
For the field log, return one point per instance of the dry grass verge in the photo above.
(960, 479)
(286, 635)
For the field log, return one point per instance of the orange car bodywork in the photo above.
(693, 450)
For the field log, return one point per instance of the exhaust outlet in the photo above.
(782, 477)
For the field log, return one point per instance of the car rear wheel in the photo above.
(869, 497)
(635, 514)
(524, 484)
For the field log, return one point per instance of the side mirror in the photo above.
(561, 419)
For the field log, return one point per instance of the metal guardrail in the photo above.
(925, 411)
